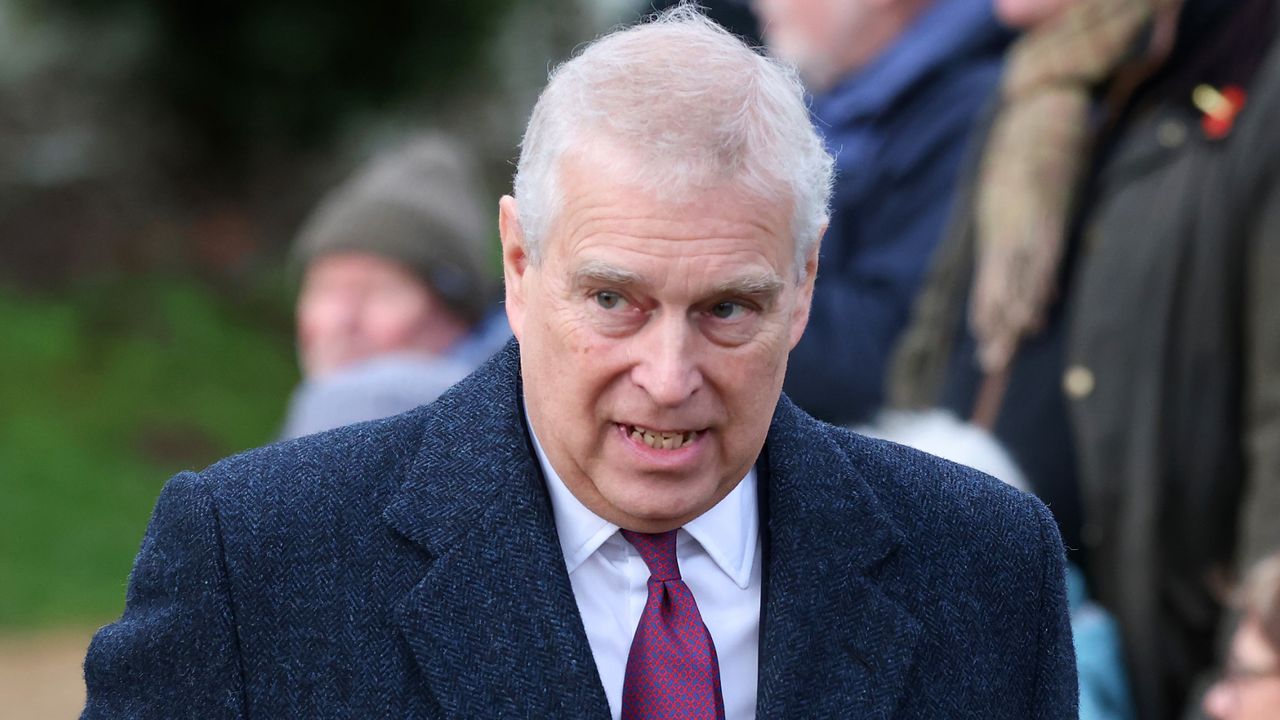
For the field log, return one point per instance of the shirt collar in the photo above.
(728, 532)
(945, 33)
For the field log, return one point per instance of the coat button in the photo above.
(1171, 133)
(1078, 382)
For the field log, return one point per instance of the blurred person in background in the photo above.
(1249, 689)
(1108, 302)
(398, 298)
(896, 87)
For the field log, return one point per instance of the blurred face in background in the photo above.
(354, 306)
(1024, 14)
(653, 340)
(1250, 688)
(827, 39)
(820, 37)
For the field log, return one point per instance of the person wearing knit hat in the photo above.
(397, 292)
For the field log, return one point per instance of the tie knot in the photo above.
(658, 550)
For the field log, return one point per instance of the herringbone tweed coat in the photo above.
(409, 568)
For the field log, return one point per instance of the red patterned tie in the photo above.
(672, 671)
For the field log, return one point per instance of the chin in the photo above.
(657, 506)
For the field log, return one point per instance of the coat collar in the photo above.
(833, 642)
(494, 625)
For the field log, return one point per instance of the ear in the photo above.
(515, 262)
(804, 299)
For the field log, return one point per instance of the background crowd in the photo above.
(1054, 254)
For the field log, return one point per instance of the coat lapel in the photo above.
(833, 643)
(493, 624)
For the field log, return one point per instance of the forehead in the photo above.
(608, 209)
(356, 264)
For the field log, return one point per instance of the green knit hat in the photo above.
(420, 205)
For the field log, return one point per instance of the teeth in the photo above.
(661, 440)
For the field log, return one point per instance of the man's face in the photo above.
(814, 35)
(653, 339)
(354, 306)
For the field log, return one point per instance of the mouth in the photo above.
(661, 439)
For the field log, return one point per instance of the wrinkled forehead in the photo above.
(673, 172)
(606, 189)
(601, 170)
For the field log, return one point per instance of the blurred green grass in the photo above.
(105, 391)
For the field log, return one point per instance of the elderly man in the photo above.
(618, 516)
(897, 85)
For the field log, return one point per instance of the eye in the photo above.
(727, 310)
(609, 300)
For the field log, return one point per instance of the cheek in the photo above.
(566, 331)
(750, 378)
(1258, 699)
(318, 315)
(568, 357)
(394, 319)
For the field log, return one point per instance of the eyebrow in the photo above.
(758, 285)
(595, 272)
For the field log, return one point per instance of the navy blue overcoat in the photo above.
(410, 568)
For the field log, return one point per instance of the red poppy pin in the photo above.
(1220, 108)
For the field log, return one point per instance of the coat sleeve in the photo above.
(174, 652)
(1056, 691)
(1259, 531)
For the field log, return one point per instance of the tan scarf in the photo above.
(1031, 167)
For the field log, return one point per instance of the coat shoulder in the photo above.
(974, 550)
(353, 463)
(361, 465)
(951, 510)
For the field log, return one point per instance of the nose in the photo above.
(668, 366)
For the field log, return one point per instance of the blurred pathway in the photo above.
(40, 674)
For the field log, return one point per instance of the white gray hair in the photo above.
(695, 106)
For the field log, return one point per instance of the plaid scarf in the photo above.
(1031, 167)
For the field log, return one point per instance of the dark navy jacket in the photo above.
(410, 568)
(898, 129)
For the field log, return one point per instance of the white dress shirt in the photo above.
(719, 557)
